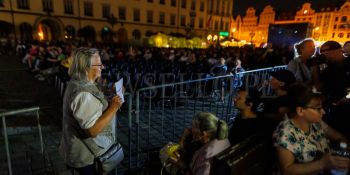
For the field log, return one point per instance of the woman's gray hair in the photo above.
(212, 125)
(81, 63)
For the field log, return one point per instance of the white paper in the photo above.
(119, 89)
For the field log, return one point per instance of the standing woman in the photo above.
(87, 116)
(301, 65)
(303, 140)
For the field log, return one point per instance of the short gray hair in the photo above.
(81, 63)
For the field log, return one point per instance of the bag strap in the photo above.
(88, 148)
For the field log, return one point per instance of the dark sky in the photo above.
(242, 5)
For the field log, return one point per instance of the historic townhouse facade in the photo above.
(327, 23)
(112, 20)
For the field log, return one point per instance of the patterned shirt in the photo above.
(305, 147)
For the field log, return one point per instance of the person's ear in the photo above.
(205, 137)
(300, 111)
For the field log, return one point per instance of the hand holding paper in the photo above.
(119, 89)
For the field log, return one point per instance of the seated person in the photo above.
(275, 108)
(198, 145)
(302, 140)
(248, 122)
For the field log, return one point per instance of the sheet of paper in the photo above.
(119, 89)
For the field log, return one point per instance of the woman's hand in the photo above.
(329, 161)
(116, 102)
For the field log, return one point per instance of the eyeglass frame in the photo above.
(319, 109)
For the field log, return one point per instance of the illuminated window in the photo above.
(22, 4)
(68, 6)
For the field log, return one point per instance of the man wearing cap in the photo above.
(275, 108)
(335, 80)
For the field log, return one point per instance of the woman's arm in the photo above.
(289, 167)
(106, 117)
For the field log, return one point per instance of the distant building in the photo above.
(110, 20)
(328, 23)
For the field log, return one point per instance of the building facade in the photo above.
(112, 20)
(328, 23)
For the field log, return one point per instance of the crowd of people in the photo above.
(315, 84)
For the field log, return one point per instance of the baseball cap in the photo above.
(284, 75)
(330, 45)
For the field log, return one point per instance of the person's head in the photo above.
(86, 65)
(222, 60)
(305, 48)
(332, 50)
(303, 102)
(346, 48)
(281, 79)
(206, 127)
(244, 102)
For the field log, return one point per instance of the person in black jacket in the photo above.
(335, 84)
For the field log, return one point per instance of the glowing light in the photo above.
(40, 32)
(215, 37)
(305, 12)
(317, 28)
(209, 37)
(233, 30)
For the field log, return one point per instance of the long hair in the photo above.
(212, 125)
(81, 63)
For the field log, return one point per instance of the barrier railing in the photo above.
(3, 115)
(160, 113)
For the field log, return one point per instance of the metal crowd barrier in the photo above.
(3, 115)
(160, 113)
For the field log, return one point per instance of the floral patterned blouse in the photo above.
(305, 147)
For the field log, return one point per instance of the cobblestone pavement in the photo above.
(19, 89)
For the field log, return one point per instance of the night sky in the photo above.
(278, 5)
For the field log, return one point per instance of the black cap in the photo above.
(330, 45)
(285, 76)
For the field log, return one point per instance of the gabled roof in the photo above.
(286, 9)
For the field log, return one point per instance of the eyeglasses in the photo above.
(319, 109)
(100, 65)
